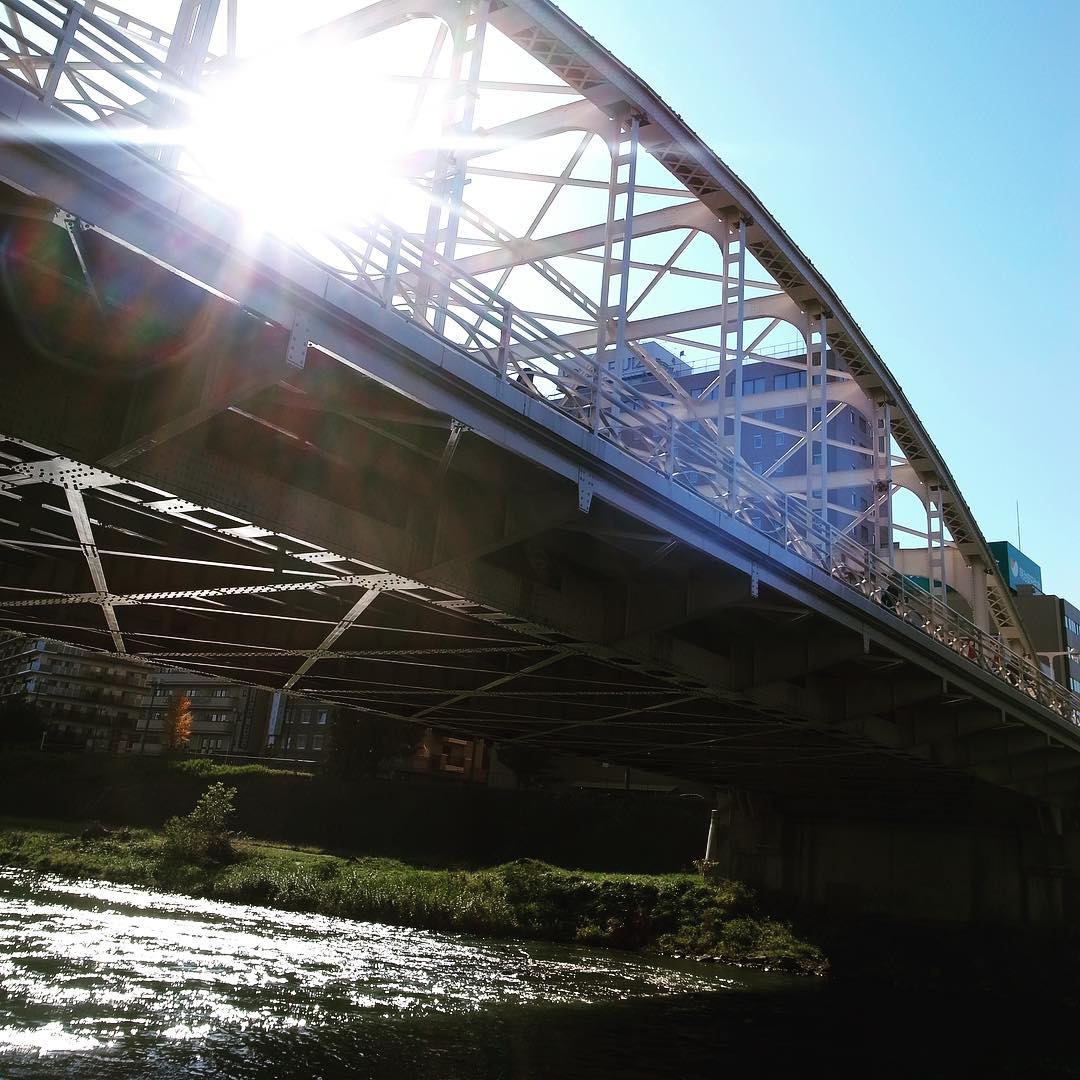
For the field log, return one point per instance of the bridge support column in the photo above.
(883, 480)
(935, 543)
(618, 234)
(448, 180)
(817, 403)
(746, 844)
(732, 292)
(998, 874)
(978, 596)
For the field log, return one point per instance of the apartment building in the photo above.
(88, 700)
(226, 718)
(301, 731)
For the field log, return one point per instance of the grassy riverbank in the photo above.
(675, 914)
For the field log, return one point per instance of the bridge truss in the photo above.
(545, 215)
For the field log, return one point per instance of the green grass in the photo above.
(678, 914)
(223, 770)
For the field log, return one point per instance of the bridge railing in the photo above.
(109, 70)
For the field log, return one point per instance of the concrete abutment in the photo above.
(1024, 875)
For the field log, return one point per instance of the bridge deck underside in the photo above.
(303, 526)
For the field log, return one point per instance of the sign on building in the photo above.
(1016, 568)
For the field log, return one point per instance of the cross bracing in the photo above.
(553, 220)
(499, 142)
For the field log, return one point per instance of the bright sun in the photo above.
(307, 142)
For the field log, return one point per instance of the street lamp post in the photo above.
(1072, 655)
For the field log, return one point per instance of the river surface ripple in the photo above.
(114, 980)
(111, 981)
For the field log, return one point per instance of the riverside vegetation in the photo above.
(199, 854)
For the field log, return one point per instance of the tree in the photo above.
(361, 745)
(176, 727)
(205, 833)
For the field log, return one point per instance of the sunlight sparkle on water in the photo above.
(90, 965)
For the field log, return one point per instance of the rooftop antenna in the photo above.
(1018, 544)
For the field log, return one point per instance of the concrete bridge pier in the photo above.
(1011, 873)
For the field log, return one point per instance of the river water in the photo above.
(102, 980)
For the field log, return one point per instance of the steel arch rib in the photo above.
(608, 89)
(570, 52)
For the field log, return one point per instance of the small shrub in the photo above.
(204, 834)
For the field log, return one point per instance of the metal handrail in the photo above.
(397, 271)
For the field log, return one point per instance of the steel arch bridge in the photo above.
(468, 445)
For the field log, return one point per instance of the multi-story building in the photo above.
(1017, 569)
(301, 731)
(779, 410)
(297, 728)
(225, 717)
(228, 718)
(1052, 623)
(88, 700)
(1054, 627)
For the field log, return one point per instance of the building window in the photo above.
(220, 691)
(759, 441)
(779, 414)
(792, 380)
(815, 458)
(316, 742)
(301, 742)
(322, 717)
(779, 440)
(816, 415)
(753, 386)
(759, 467)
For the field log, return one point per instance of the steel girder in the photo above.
(606, 94)
(261, 545)
(715, 202)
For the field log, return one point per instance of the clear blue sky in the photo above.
(926, 157)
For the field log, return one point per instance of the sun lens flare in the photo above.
(305, 143)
